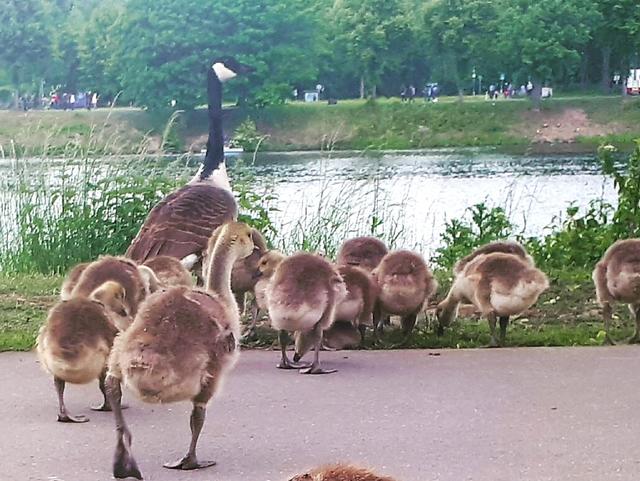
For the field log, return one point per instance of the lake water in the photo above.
(413, 193)
(422, 190)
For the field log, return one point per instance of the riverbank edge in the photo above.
(566, 315)
(563, 126)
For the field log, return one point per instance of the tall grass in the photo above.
(56, 216)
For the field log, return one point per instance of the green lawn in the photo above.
(351, 124)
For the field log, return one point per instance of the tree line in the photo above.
(153, 52)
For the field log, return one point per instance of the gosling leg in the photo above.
(190, 460)
(363, 330)
(408, 323)
(504, 322)
(378, 322)
(607, 311)
(105, 402)
(63, 415)
(285, 363)
(492, 328)
(635, 339)
(124, 464)
(315, 367)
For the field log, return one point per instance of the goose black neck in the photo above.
(215, 143)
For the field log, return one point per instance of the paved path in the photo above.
(508, 414)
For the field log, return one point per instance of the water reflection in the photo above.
(416, 190)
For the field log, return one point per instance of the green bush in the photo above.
(480, 225)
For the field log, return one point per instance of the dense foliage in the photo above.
(576, 240)
(154, 51)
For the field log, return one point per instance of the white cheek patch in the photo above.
(222, 72)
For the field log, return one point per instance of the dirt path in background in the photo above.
(562, 126)
(483, 415)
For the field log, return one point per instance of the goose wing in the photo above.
(182, 222)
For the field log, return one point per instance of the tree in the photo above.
(26, 39)
(617, 32)
(542, 40)
(97, 42)
(374, 33)
(164, 45)
(461, 34)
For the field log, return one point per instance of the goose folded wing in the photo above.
(181, 223)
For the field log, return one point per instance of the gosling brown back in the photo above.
(365, 252)
(507, 247)
(118, 269)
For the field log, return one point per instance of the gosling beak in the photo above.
(256, 275)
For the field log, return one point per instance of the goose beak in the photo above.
(243, 69)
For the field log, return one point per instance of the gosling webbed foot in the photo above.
(104, 407)
(292, 365)
(317, 370)
(67, 418)
(188, 463)
(250, 335)
(126, 468)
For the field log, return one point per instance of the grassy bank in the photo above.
(566, 315)
(564, 124)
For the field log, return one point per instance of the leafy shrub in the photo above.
(255, 207)
(480, 225)
(271, 94)
(247, 136)
(577, 240)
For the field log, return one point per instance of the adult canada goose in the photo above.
(180, 347)
(302, 298)
(181, 223)
(617, 279)
(500, 285)
(340, 472)
(74, 343)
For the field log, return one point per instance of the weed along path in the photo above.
(452, 415)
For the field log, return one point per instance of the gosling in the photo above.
(170, 271)
(617, 279)
(404, 284)
(138, 281)
(355, 311)
(302, 297)
(266, 267)
(508, 247)
(180, 347)
(71, 280)
(364, 252)
(340, 472)
(499, 285)
(74, 343)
